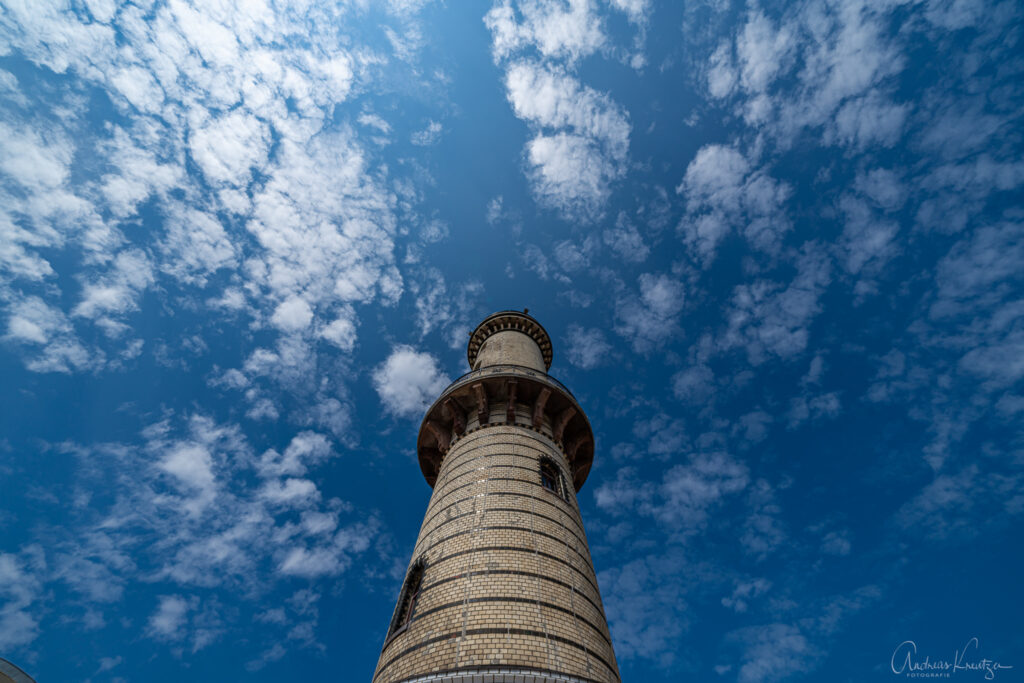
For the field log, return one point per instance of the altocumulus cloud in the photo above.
(408, 381)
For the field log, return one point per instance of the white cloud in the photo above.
(685, 496)
(170, 617)
(266, 521)
(694, 384)
(428, 136)
(33, 162)
(773, 652)
(883, 186)
(229, 147)
(724, 192)
(292, 315)
(191, 464)
(767, 318)
(195, 247)
(825, 68)
(551, 98)
(565, 30)
(494, 210)
(636, 10)
(310, 564)
(762, 52)
(232, 91)
(570, 174)
(868, 121)
(291, 492)
(836, 543)
(649, 320)
(763, 530)
(743, 592)
(581, 137)
(805, 408)
(306, 449)
(645, 600)
(341, 332)
(50, 335)
(572, 170)
(110, 296)
(587, 348)
(975, 288)
(408, 381)
(374, 121)
(625, 240)
(722, 75)
(19, 589)
(868, 242)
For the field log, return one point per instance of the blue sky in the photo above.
(779, 249)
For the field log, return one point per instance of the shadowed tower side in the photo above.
(501, 583)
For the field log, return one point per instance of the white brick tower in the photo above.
(501, 587)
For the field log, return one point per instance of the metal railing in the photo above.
(521, 369)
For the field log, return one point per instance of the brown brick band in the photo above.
(557, 584)
(518, 549)
(520, 674)
(515, 572)
(449, 476)
(503, 528)
(533, 478)
(540, 447)
(527, 601)
(458, 456)
(480, 481)
(527, 432)
(470, 472)
(497, 631)
(546, 500)
(524, 511)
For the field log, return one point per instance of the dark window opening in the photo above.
(406, 608)
(551, 477)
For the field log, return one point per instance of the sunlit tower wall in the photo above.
(501, 587)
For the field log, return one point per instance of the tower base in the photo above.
(496, 674)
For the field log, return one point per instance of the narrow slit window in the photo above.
(551, 477)
(406, 608)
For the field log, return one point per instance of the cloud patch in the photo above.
(408, 381)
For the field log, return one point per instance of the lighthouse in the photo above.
(501, 586)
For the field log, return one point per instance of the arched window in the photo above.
(551, 477)
(406, 608)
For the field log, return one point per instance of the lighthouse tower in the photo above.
(501, 587)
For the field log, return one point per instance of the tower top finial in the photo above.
(509, 321)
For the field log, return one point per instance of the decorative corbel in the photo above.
(441, 434)
(433, 457)
(510, 406)
(538, 407)
(483, 412)
(453, 411)
(561, 421)
(574, 445)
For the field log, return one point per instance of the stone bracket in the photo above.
(483, 412)
(453, 411)
(561, 421)
(538, 407)
(510, 406)
(574, 445)
(442, 435)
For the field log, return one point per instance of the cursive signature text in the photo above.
(905, 661)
